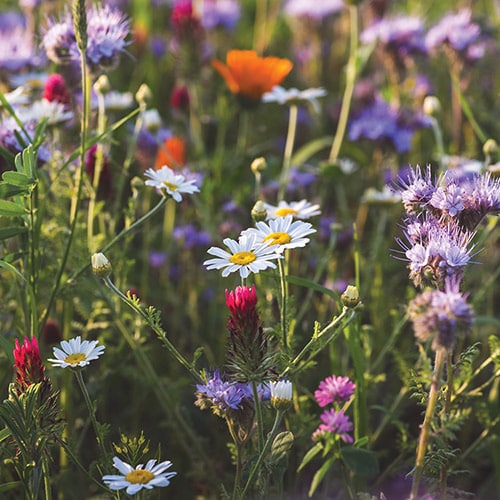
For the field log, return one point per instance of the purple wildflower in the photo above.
(448, 199)
(378, 121)
(459, 32)
(312, 10)
(17, 49)
(417, 190)
(220, 14)
(59, 40)
(334, 422)
(401, 35)
(334, 389)
(191, 236)
(440, 315)
(157, 259)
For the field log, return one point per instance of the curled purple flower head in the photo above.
(107, 31)
(334, 422)
(443, 250)
(417, 189)
(334, 390)
(441, 315)
(448, 199)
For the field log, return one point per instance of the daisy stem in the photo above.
(426, 426)
(349, 86)
(91, 410)
(265, 449)
(287, 155)
(283, 311)
(157, 329)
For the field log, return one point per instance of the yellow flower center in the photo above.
(284, 211)
(75, 358)
(242, 258)
(278, 238)
(139, 476)
(170, 185)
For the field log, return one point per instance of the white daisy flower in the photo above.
(384, 197)
(299, 209)
(54, 111)
(282, 233)
(174, 184)
(75, 353)
(114, 100)
(141, 477)
(295, 96)
(243, 256)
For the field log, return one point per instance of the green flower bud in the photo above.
(350, 297)
(100, 265)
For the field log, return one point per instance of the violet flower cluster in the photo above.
(336, 391)
(442, 216)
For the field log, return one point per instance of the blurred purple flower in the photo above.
(335, 422)
(378, 121)
(157, 259)
(191, 236)
(17, 49)
(334, 389)
(219, 14)
(460, 33)
(313, 10)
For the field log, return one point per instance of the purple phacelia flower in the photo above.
(17, 49)
(221, 394)
(417, 189)
(448, 199)
(440, 315)
(334, 389)
(312, 10)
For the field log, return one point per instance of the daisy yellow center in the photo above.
(170, 185)
(283, 212)
(139, 476)
(75, 358)
(242, 258)
(278, 238)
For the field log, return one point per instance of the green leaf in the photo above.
(320, 474)
(11, 209)
(10, 231)
(10, 267)
(310, 455)
(282, 444)
(18, 179)
(310, 149)
(360, 461)
(4, 434)
(8, 190)
(9, 486)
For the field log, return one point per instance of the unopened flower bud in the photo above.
(259, 212)
(431, 105)
(100, 265)
(143, 95)
(258, 164)
(350, 297)
(281, 394)
(490, 147)
(102, 85)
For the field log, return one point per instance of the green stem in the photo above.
(426, 426)
(283, 311)
(258, 414)
(349, 88)
(257, 465)
(287, 155)
(334, 324)
(46, 478)
(91, 410)
(159, 332)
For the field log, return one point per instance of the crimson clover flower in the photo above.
(28, 366)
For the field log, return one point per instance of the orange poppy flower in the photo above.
(250, 76)
(171, 153)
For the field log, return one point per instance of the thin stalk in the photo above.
(335, 323)
(159, 332)
(256, 467)
(258, 415)
(426, 426)
(46, 478)
(91, 410)
(284, 298)
(349, 86)
(287, 155)
(446, 410)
